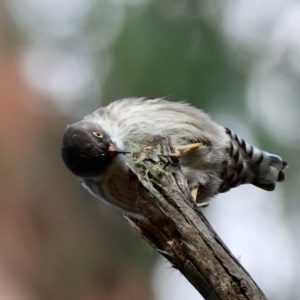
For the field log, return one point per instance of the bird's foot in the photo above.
(179, 150)
(144, 148)
(194, 193)
(202, 204)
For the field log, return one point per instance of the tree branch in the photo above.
(177, 229)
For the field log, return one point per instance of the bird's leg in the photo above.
(178, 149)
(144, 148)
(182, 148)
(202, 204)
(194, 192)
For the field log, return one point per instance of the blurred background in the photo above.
(62, 59)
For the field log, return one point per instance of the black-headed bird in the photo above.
(213, 158)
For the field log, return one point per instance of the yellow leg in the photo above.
(182, 148)
(179, 149)
(194, 193)
(188, 147)
(202, 204)
(146, 148)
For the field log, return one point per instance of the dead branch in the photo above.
(177, 229)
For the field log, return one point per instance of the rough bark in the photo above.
(177, 229)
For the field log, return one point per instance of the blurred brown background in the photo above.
(61, 59)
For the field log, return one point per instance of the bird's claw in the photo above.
(179, 150)
(194, 193)
(202, 204)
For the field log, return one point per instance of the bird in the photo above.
(213, 158)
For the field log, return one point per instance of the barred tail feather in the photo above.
(270, 172)
(261, 168)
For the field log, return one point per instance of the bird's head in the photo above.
(87, 149)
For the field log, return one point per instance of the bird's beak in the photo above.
(113, 151)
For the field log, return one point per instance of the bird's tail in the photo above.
(269, 172)
(251, 165)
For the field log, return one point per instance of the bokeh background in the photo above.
(61, 59)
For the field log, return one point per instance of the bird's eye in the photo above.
(98, 134)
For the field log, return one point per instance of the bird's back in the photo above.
(139, 119)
